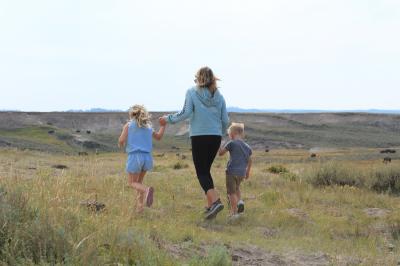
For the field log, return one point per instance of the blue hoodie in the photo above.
(207, 112)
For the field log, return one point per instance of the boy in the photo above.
(238, 167)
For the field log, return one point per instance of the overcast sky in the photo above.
(321, 54)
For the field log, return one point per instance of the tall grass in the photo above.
(27, 236)
(283, 213)
(384, 178)
(334, 173)
(217, 256)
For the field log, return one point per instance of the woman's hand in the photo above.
(163, 121)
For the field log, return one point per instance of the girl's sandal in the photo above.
(149, 196)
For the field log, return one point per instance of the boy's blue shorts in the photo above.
(139, 162)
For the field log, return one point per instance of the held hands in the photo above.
(162, 121)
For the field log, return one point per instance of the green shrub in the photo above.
(289, 176)
(180, 165)
(216, 256)
(277, 169)
(270, 197)
(386, 179)
(116, 245)
(333, 173)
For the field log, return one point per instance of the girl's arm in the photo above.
(248, 168)
(187, 110)
(124, 135)
(158, 135)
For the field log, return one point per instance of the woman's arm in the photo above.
(158, 135)
(124, 135)
(187, 110)
(224, 118)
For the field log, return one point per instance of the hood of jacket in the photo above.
(206, 98)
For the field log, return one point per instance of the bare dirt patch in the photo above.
(249, 255)
(376, 212)
(298, 213)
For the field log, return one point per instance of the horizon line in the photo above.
(231, 109)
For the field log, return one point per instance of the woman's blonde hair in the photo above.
(140, 115)
(236, 128)
(205, 79)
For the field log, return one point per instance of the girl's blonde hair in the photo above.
(205, 79)
(140, 115)
(236, 128)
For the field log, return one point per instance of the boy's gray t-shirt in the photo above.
(239, 152)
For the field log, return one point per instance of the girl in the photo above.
(206, 108)
(137, 136)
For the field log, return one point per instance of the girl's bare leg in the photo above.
(141, 193)
(135, 181)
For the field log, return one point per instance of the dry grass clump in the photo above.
(277, 169)
(384, 178)
(180, 165)
(30, 236)
(27, 236)
(333, 173)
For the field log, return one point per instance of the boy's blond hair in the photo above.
(236, 128)
(140, 115)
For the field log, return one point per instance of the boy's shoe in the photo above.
(233, 218)
(215, 208)
(240, 206)
(206, 209)
(149, 196)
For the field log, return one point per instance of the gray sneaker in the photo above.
(215, 208)
(233, 218)
(240, 206)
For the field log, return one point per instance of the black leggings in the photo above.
(204, 150)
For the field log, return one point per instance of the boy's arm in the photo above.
(224, 148)
(124, 135)
(248, 168)
(158, 135)
(222, 151)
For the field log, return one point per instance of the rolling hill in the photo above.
(78, 131)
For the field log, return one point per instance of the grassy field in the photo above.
(332, 210)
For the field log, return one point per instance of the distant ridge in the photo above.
(95, 110)
(252, 110)
(236, 110)
(255, 110)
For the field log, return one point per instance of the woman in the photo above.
(206, 108)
